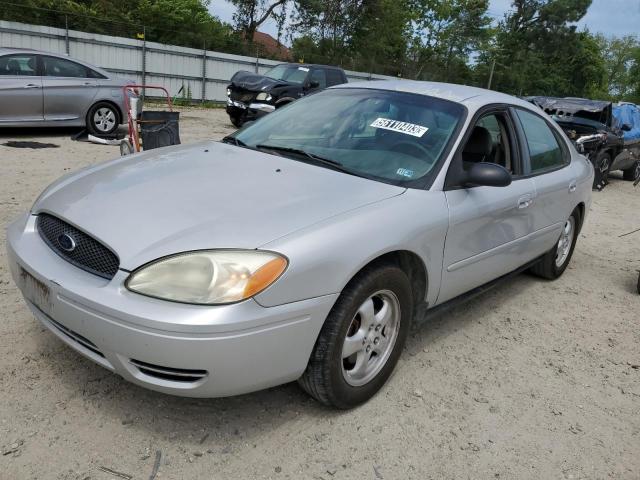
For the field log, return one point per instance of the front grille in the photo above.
(87, 253)
(169, 373)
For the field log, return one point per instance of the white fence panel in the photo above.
(169, 66)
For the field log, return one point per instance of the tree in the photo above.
(250, 14)
(540, 52)
(620, 58)
(445, 33)
(177, 22)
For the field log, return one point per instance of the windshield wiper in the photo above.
(233, 141)
(315, 158)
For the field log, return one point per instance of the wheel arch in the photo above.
(581, 208)
(411, 264)
(281, 102)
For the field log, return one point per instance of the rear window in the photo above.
(60, 67)
(334, 77)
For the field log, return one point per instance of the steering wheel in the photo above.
(411, 148)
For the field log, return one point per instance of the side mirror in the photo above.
(313, 84)
(487, 175)
(626, 127)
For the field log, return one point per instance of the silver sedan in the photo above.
(47, 89)
(303, 246)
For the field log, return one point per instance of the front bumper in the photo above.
(174, 348)
(248, 111)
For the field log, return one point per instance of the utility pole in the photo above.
(493, 67)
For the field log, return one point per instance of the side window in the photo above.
(320, 76)
(59, 67)
(334, 77)
(18, 65)
(544, 150)
(489, 142)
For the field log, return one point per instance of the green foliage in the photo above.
(621, 57)
(176, 22)
(186, 98)
(539, 52)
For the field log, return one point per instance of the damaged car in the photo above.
(251, 95)
(590, 125)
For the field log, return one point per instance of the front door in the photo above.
(489, 227)
(20, 89)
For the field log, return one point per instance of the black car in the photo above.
(591, 125)
(251, 95)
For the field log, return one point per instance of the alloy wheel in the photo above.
(370, 338)
(565, 242)
(104, 119)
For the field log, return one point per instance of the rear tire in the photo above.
(555, 262)
(632, 172)
(103, 119)
(361, 339)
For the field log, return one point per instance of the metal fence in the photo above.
(205, 74)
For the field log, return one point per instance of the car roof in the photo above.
(12, 50)
(310, 65)
(473, 97)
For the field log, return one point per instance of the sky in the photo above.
(610, 17)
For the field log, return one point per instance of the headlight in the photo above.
(263, 96)
(208, 277)
(228, 92)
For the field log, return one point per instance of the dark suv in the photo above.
(251, 95)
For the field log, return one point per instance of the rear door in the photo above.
(69, 88)
(547, 162)
(20, 88)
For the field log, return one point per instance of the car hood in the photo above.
(207, 195)
(255, 82)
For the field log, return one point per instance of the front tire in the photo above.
(555, 262)
(362, 338)
(103, 119)
(603, 167)
(236, 121)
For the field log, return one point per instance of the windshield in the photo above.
(384, 135)
(288, 73)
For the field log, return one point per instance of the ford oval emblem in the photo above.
(66, 242)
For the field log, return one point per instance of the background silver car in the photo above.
(47, 89)
(303, 246)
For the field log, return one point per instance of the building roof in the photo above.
(271, 46)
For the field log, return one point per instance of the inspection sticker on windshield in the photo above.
(405, 172)
(400, 127)
(304, 69)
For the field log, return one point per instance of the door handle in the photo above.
(31, 85)
(572, 187)
(87, 84)
(525, 201)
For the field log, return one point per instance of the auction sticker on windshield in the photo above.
(400, 127)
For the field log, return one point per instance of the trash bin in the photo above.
(159, 129)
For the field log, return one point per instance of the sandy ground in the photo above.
(535, 379)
